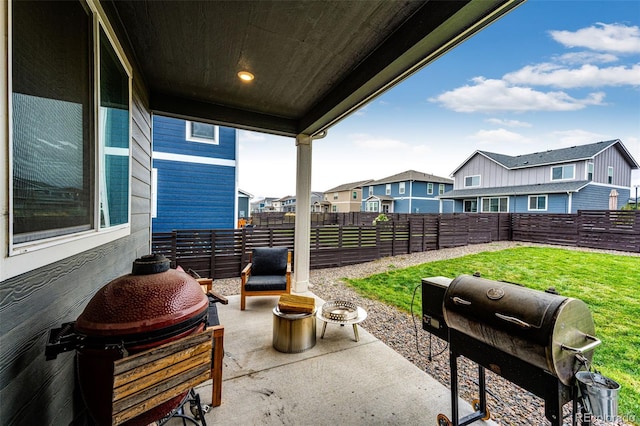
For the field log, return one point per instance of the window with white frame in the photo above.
(65, 181)
(470, 206)
(429, 188)
(387, 189)
(610, 174)
(441, 189)
(334, 208)
(563, 172)
(589, 171)
(401, 187)
(537, 202)
(495, 205)
(372, 206)
(472, 181)
(202, 132)
(335, 195)
(370, 190)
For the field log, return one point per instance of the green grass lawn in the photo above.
(608, 284)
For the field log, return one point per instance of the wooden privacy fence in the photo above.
(222, 253)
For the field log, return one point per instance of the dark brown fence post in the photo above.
(212, 261)
(174, 243)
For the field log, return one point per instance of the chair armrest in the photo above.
(218, 297)
(246, 272)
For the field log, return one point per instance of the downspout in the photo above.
(569, 201)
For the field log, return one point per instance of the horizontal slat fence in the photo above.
(222, 253)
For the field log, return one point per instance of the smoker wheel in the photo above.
(476, 406)
(443, 420)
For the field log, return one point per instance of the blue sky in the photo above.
(550, 74)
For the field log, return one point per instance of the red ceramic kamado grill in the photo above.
(149, 307)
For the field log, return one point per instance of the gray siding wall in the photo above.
(621, 169)
(34, 391)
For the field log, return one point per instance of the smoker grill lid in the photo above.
(537, 327)
(134, 304)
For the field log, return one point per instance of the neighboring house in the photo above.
(407, 192)
(194, 169)
(288, 204)
(556, 181)
(345, 198)
(243, 204)
(264, 205)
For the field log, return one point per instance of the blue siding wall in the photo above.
(596, 197)
(169, 135)
(193, 195)
(421, 201)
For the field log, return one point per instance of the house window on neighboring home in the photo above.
(335, 195)
(401, 188)
(65, 180)
(202, 132)
(563, 172)
(429, 188)
(495, 205)
(589, 171)
(354, 195)
(387, 189)
(370, 190)
(472, 181)
(537, 202)
(470, 206)
(372, 206)
(441, 189)
(610, 175)
(334, 208)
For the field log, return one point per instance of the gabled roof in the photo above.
(380, 197)
(412, 175)
(314, 62)
(554, 156)
(349, 186)
(546, 188)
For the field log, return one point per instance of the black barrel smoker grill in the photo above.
(536, 340)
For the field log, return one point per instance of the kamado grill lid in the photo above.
(151, 298)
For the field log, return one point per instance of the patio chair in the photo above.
(268, 273)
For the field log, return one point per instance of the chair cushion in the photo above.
(266, 283)
(269, 261)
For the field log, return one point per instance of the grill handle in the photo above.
(514, 320)
(586, 348)
(458, 301)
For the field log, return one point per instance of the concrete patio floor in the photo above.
(337, 382)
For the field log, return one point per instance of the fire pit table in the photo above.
(341, 312)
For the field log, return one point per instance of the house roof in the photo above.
(349, 186)
(554, 156)
(412, 175)
(540, 188)
(314, 62)
(380, 197)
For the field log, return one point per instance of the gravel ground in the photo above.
(508, 404)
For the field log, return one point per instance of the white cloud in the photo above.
(508, 123)
(548, 74)
(489, 95)
(617, 38)
(247, 136)
(498, 136)
(578, 137)
(586, 58)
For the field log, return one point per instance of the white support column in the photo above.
(303, 214)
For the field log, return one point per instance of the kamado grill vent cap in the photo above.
(150, 264)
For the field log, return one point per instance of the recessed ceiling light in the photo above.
(245, 76)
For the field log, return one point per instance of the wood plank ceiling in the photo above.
(314, 61)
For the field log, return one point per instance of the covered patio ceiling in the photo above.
(314, 61)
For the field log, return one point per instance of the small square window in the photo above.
(387, 189)
(202, 132)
